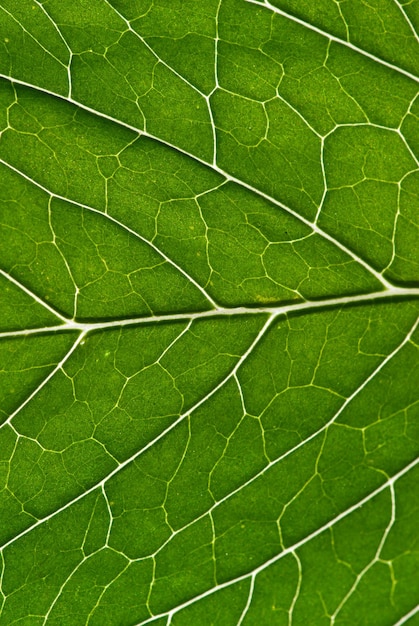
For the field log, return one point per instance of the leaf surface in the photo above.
(209, 281)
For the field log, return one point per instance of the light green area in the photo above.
(25, 362)
(380, 27)
(95, 268)
(365, 169)
(19, 310)
(31, 48)
(254, 464)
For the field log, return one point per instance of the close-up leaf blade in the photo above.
(209, 305)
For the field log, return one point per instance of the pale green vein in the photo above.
(267, 5)
(386, 284)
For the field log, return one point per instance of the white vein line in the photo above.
(70, 52)
(106, 216)
(33, 295)
(333, 419)
(267, 5)
(171, 69)
(70, 577)
(407, 18)
(2, 572)
(388, 129)
(216, 86)
(302, 443)
(150, 49)
(407, 617)
(295, 110)
(215, 168)
(324, 178)
(391, 481)
(44, 382)
(153, 246)
(308, 305)
(150, 444)
(59, 592)
(233, 372)
(375, 559)
(33, 331)
(81, 562)
(405, 116)
(293, 548)
(248, 601)
(314, 227)
(297, 589)
(38, 43)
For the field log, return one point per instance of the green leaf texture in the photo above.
(209, 281)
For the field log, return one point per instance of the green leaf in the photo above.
(209, 281)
